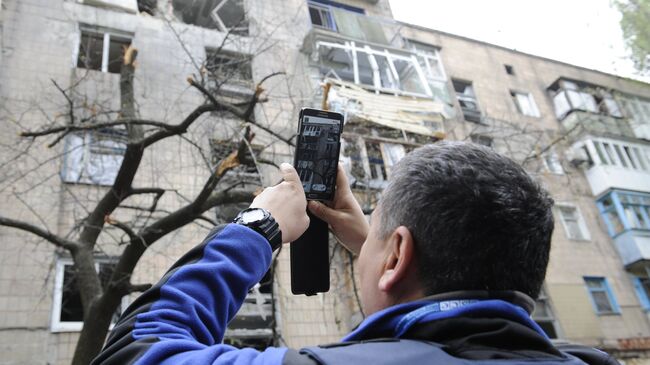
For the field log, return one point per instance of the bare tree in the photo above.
(101, 301)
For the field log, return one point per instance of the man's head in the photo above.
(455, 216)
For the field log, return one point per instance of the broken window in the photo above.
(67, 311)
(467, 100)
(371, 160)
(381, 70)
(569, 96)
(102, 50)
(254, 324)
(224, 15)
(94, 157)
(525, 103)
(226, 68)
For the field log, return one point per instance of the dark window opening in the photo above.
(510, 70)
(91, 49)
(71, 307)
(224, 15)
(229, 69)
(94, 45)
(467, 100)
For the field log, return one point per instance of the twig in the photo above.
(47, 235)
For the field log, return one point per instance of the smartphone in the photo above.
(316, 158)
(317, 152)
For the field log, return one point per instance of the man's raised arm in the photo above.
(182, 319)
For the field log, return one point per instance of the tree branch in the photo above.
(247, 113)
(133, 237)
(158, 191)
(74, 128)
(45, 234)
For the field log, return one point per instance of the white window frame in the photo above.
(352, 48)
(55, 322)
(620, 154)
(322, 8)
(217, 19)
(586, 236)
(106, 43)
(554, 166)
(430, 55)
(534, 110)
(86, 155)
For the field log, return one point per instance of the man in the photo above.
(455, 250)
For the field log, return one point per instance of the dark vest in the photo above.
(414, 352)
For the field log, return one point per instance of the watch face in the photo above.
(252, 215)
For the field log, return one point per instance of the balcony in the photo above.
(581, 122)
(634, 248)
(627, 218)
(613, 164)
(584, 108)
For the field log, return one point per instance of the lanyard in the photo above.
(413, 317)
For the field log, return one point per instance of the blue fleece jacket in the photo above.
(183, 318)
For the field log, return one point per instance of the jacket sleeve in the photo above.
(182, 319)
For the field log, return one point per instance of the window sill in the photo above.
(579, 239)
(608, 314)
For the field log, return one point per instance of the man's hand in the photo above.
(345, 216)
(287, 204)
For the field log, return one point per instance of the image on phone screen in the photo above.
(317, 155)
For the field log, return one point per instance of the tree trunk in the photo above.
(99, 305)
(95, 328)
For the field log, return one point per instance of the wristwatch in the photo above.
(261, 221)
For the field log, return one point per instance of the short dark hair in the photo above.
(479, 221)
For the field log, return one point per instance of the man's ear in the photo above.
(399, 260)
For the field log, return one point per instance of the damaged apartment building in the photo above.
(584, 134)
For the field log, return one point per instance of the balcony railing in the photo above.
(581, 122)
(614, 164)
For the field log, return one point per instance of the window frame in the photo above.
(474, 115)
(531, 101)
(586, 236)
(620, 201)
(355, 51)
(86, 146)
(606, 288)
(106, 43)
(642, 294)
(56, 325)
(322, 8)
(555, 162)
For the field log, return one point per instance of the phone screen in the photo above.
(317, 152)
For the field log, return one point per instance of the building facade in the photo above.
(583, 134)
